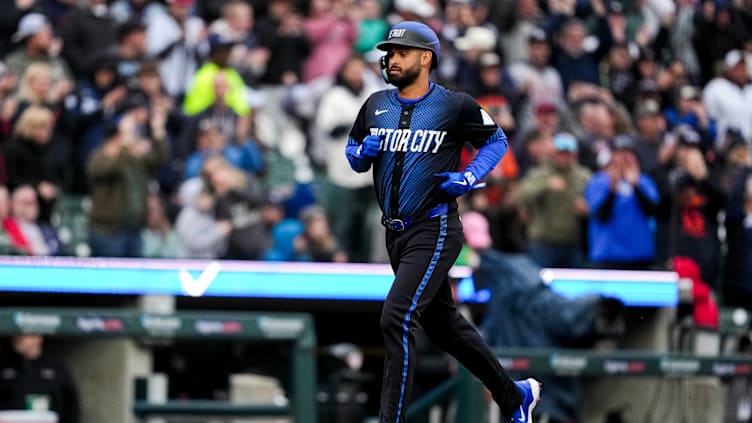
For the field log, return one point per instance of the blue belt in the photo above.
(403, 223)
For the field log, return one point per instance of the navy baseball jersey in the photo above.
(420, 138)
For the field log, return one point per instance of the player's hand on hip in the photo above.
(457, 183)
(370, 146)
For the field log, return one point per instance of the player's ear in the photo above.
(426, 58)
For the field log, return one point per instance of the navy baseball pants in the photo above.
(421, 257)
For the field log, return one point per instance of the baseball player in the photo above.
(413, 138)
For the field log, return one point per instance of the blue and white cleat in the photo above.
(531, 391)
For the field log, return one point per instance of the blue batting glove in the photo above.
(370, 146)
(457, 183)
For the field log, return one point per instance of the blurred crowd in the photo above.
(216, 129)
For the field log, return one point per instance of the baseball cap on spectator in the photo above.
(623, 142)
(421, 8)
(129, 27)
(207, 125)
(564, 141)
(134, 100)
(489, 59)
(218, 40)
(648, 107)
(689, 92)
(733, 58)
(543, 108)
(104, 61)
(476, 38)
(615, 8)
(30, 25)
(537, 35)
(181, 3)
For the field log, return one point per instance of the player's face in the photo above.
(404, 66)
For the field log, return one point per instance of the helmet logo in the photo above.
(397, 33)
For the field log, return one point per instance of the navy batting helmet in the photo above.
(413, 34)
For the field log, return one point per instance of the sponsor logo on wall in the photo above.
(212, 327)
(41, 323)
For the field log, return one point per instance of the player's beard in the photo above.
(406, 78)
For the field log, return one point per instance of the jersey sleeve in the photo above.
(474, 124)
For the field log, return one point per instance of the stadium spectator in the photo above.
(539, 83)
(88, 32)
(217, 84)
(349, 198)
(317, 242)
(248, 57)
(622, 201)
(523, 312)
(597, 126)
(6, 244)
(13, 11)
(282, 32)
(31, 157)
(651, 135)
(476, 41)
(744, 291)
(735, 181)
(211, 140)
(332, 35)
(553, 193)
(728, 98)
(621, 77)
(689, 110)
(37, 44)
(7, 101)
(26, 231)
(158, 101)
(493, 85)
(158, 238)
(491, 97)
(719, 28)
(243, 201)
(201, 235)
(691, 199)
(519, 27)
(371, 26)
(533, 149)
(119, 172)
(128, 52)
(38, 86)
(93, 102)
(570, 57)
(705, 309)
(34, 379)
(178, 40)
(681, 34)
